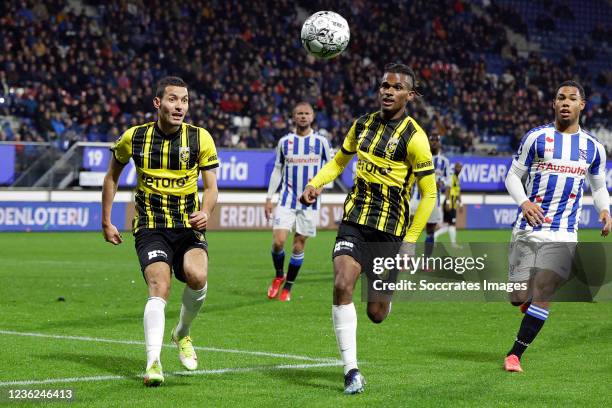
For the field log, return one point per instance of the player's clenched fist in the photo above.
(198, 220)
(111, 234)
(604, 217)
(533, 213)
(310, 194)
(268, 207)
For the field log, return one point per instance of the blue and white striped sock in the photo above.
(537, 312)
(295, 263)
(532, 323)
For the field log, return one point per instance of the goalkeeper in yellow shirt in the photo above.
(392, 150)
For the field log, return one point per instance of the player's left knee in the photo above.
(377, 317)
(377, 314)
(197, 283)
(196, 279)
(299, 242)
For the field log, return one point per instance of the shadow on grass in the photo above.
(116, 319)
(330, 379)
(225, 307)
(89, 321)
(107, 364)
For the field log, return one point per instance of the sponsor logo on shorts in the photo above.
(157, 253)
(199, 236)
(344, 245)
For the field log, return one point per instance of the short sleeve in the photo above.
(526, 151)
(208, 159)
(122, 148)
(279, 160)
(598, 166)
(349, 146)
(419, 154)
(447, 176)
(327, 153)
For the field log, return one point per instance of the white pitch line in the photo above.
(171, 374)
(141, 343)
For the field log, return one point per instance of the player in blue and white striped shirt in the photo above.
(299, 156)
(555, 159)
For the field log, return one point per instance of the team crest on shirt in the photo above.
(391, 146)
(582, 154)
(184, 154)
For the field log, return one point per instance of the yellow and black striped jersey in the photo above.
(454, 192)
(168, 167)
(389, 152)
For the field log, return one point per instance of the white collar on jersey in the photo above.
(566, 133)
(312, 132)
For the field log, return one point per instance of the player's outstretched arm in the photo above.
(327, 174)
(199, 219)
(109, 189)
(429, 194)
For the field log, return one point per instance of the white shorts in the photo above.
(304, 221)
(550, 250)
(436, 213)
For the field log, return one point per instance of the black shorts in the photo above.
(167, 245)
(450, 215)
(364, 243)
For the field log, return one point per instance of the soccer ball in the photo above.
(325, 34)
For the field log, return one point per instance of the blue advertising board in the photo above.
(502, 216)
(7, 164)
(57, 216)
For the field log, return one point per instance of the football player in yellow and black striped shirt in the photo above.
(392, 150)
(170, 221)
(451, 204)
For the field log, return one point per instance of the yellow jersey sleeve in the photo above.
(349, 146)
(429, 194)
(331, 170)
(122, 148)
(419, 154)
(208, 159)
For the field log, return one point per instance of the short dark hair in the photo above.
(168, 81)
(399, 68)
(302, 103)
(574, 84)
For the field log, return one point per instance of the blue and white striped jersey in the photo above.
(557, 165)
(443, 174)
(301, 157)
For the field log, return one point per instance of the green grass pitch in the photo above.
(267, 353)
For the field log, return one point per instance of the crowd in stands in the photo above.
(87, 71)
